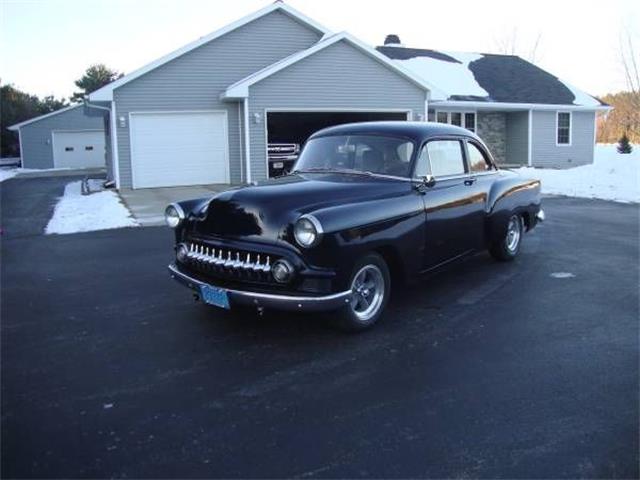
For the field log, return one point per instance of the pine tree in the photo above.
(623, 144)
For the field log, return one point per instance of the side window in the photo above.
(477, 161)
(422, 164)
(446, 157)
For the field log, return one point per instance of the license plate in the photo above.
(278, 165)
(214, 296)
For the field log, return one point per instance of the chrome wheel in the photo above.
(514, 232)
(368, 292)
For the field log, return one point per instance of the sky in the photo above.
(47, 44)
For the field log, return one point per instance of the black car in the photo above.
(367, 206)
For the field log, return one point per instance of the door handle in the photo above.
(470, 181)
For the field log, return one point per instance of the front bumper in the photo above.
(268, 300)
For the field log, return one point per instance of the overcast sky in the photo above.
(46, 44)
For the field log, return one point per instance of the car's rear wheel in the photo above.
(508, 247)
(370, 290)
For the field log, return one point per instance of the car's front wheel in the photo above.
(507, 248)
(370, 290)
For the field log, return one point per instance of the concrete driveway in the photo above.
(487, 370)
(147, 205)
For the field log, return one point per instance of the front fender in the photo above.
(394, 227)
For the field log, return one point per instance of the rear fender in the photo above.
(508, 196)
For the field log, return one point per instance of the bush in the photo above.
(623, 144)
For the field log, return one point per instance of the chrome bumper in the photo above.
(540, 216)
(268, 300)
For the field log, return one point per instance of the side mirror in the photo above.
(429, 181)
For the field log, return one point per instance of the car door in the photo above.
(451, 205)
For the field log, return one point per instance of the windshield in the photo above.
(357, 154)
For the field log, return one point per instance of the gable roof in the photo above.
(105, 94)
(17, 126)
(240, 89)
(491, 78)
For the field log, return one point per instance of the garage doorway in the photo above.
(78, 149)
(287, 131)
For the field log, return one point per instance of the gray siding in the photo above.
(517, 138)
(36, 137)
(545, 152)
(492, 128)
(338, 77)
(194, 81)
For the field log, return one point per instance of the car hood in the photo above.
(268, 209)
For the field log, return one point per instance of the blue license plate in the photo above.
(214, 296)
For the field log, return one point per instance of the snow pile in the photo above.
(613, 176)
(7, 173)
(85, 213)
(452, 78)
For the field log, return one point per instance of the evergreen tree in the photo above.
(623, 144)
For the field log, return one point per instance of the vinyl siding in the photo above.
(37, 137)
(339, 77)
(195, 80)
(545, 152)
(517, 138)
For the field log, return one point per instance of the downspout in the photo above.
(113, 136)
(247, 155)
(530, 140)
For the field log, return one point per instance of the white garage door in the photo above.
(80, 149)
(172, 149)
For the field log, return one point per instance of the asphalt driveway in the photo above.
(486, 370)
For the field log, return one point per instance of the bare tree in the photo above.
(629, 61)
(506, 43)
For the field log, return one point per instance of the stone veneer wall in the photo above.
(492, 128)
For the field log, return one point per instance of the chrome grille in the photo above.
(224, 260)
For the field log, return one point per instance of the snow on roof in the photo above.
(453, 78)
(490, 78)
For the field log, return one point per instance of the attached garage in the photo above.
(295, 127)
(170, 149)
(78, 149)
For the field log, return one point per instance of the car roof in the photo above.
(418, 131)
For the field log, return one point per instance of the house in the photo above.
(526, 115)
(66, 138)
(205, 113)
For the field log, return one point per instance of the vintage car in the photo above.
(367, 206)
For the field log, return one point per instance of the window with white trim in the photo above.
(461, 119)
(563, 124)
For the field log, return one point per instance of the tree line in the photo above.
(17, 106)
(624, 119)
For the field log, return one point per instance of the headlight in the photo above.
(173, 215)
(282, 271)
(307, 231)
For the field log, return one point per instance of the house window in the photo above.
(470, 121)
(68, 149)
(461, 119)
(563, 134)
(88, 148)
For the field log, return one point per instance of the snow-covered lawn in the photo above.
(75, 212)
(612, 176)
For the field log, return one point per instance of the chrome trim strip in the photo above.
(269, 300)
